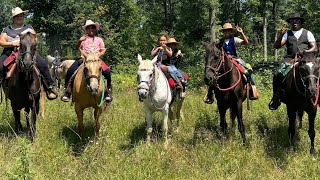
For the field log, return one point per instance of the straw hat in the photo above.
(89, 23)
(172, 41)
(227, 26)
(295, 16)
(17, 10)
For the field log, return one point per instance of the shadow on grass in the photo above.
(78, 145)
(207, 130)
(139, 134)
(276, 140)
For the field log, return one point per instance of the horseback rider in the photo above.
(229, 44)
(164, 54)
(9, 39)
(297, 41)
(89, 43)
(174, 60)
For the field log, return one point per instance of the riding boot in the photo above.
(254, 92)
(275, 101)
(209, 96)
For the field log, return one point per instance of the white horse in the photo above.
(155, 92)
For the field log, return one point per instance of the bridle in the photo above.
(87, 78)
(303, 80)
(218, 75)
(149, 83)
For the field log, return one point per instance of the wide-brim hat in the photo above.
(17, 10)
(172, 41)
(90, 23)
(227, 26)
(296, 16)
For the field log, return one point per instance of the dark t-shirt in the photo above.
(163, 57)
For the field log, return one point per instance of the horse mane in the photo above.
(92, 56)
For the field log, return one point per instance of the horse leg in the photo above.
(149, 124)
(171, 117)
(79, 111)
(223, 123)
(179, 113)
(97, 113)
(165, 113)
(18, 125)
(292, 123)
(26, 114)
(300, 115)
(311, 132)
(241, 127)
(233, 115)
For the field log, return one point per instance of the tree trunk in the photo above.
(274, 18)
(212, 18)
(265, 50)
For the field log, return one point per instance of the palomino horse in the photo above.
(23, 84)
(88, 90)
(225, 79)
(154, 90)
(301, 93)
(58, 69)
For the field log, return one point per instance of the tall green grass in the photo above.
(198, 151)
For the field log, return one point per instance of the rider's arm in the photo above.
(281, 41)
(4, 40)
(313, 47)
(80, 41)
(155, 50)
(168, 51)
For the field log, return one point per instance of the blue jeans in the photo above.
(175, 73)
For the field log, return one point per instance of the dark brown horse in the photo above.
(222, 76)
(23, 86)
(300, 93)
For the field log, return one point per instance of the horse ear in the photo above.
(139, 58)
(154, 59)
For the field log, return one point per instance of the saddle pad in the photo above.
(104, 66)
(237, 65)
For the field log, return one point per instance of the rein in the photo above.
(216, 70)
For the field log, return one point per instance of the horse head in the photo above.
(92, 72)
(28, 46)
(308, 70)
(146, 76)
(213, 63)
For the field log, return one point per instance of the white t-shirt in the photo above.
(297, 34)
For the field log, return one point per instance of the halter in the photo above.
(219, 75)
(303, 80)
(151, 83)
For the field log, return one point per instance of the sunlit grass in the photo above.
(198, 151)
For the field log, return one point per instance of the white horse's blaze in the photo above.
(156, 96)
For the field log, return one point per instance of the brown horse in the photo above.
(222, 76)
(22, 85)
(88, 90)
(300, 93)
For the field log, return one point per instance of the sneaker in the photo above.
(273, 105)
(208, 100)
(65, 97)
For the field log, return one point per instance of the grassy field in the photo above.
(197, 151)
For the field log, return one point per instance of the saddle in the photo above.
(245, 70)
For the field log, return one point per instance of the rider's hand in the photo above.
(283, 30)
(239, 29)
(83, 38)
(160, 48)
(15, 43)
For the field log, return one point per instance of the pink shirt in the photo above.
(92, 44)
